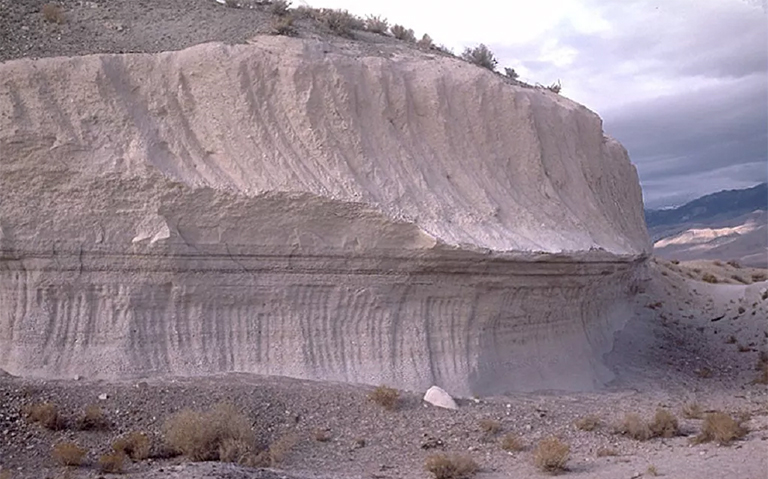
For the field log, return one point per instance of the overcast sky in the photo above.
(683, 84)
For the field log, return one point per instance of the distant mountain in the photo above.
(728, 225)
(721, 205)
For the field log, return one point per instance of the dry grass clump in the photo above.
(587, 423)
(490, 426)
(555, 87)
(377, 24)
(207, 436)
(738, 278)
(112, 462)
(426, 42)
(757, 277)
(664, 424)
(652, 471)
(511, 73)
(52, 13)
(67, 453)
(709, 278)
(283, 25)
(733, 263)
(402, 33)
(730, 339)
(512, 443)
(451, 466)
(46, 414)
(279, 7)
(135, 445)
(693, 410)
(606, 452)
(341, 22)
(386, 397)
(704, 372)
(634, 427)
(5, 474)
(721, 427)
(551, 455)
(278, 450)
(481, 55)
(93, 419)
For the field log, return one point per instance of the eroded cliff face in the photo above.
(291, 207)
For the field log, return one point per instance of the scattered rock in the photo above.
(436, 396)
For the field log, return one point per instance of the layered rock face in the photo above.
(296, 208)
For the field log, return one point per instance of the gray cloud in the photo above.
(710, 132)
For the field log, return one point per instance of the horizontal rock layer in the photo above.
(293, 207)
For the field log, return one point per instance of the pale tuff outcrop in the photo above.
(297, 208)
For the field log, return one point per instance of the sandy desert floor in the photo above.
(690, 342)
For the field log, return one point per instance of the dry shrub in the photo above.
(481, 55)
(704, 372)
(283, 25)
(200, 435)
(587, 423)
(730, 339)
(93, 419)
(652, 471)
(721, 427)
(46, 414)
(607, 451)
(239, 451)
(555, 87)
(743, 348)
(738, 278)
(67, 453)
(231, 3)
(377, 24)
(341, 22)
(717, 263)
(280, 7)
(634, 427)
(664, 424)
(426, 42)
(135, 445)
(490, 426)
(304, 12)
(278, 450)
(402, 33)
(512, 443)
(5, 474)
(551, 455)
(709, 278)
(451, 466)
(511, 73)
(52, 13)
(693, 410)
(386, 397)
(112, 462)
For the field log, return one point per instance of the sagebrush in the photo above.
(201, 436)
(67, 453)
(451, 466)
(481, 55)
(551, 455)
(386, 397)
(135, 445)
